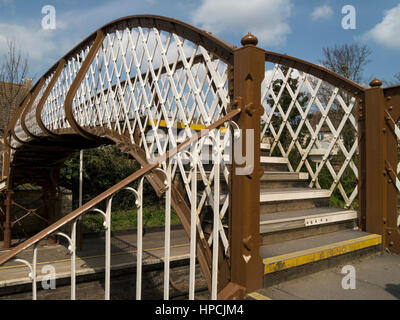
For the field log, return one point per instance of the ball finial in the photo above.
(375, 83)
(249, 39)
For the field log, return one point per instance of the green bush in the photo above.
(103, 168)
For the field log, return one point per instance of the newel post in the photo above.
(374, 185)
(248, 73)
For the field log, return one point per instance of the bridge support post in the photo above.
(382, 113)
(374, 186)
(248, 73)
(7, 223)
(50, 204)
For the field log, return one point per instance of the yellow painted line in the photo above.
(94, 256)
(299, 258)
(258, 296)
(181, 125)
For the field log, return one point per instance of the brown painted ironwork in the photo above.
(377, 114)
(246, 264)
(119, 186)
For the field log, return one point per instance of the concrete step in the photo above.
(284, 179)
(292, 259)
(297, 224)
(287, 199)
(274, 163)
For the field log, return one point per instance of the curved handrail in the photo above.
(210, 42)
(119, 186)
(29, 106)
(317, 71)
(392, 91)
(46, 94)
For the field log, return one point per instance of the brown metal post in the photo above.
(375, 150)
(7, 223)
(50, 206)
(246, 263)
(391, 237)
(7, 234)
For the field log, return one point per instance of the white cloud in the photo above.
(266, 19)
(386, 33)
(41, 47)
(33, 42)
(321, 13)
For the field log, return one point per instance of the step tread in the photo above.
(266, 159)
(279, 252)
(287, 194)
(275, 217)
(283, 175)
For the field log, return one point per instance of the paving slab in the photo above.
(377, 278)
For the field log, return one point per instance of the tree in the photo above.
(348, 60)
(13, 70)
(103, 167)
(293, 118)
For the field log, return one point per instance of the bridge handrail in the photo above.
(55, 227)
(210, 42)
(317, 71)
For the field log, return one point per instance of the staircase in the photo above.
(301, 233)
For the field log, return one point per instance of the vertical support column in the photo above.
(361, 163)
(79, 243)
(246, 263)
(7, 223)
(375, 150)
(8, 200)
(391, 236)
(51, 202)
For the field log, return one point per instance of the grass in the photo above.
(122, 220)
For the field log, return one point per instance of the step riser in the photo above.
(275, 167)
(304, 232)
(278, 206)
(283, 184)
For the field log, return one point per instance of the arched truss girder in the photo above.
(40, 91)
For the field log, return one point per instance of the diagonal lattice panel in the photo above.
(156, 88)
(313, 124)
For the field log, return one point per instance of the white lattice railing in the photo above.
(312, 123)
(202, 192)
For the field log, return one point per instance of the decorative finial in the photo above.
(375, 83)
(249, 39)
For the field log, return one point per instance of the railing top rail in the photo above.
(117, 187)
(317, 71)
(392, 91)
(210, 42)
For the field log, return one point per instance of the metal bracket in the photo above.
(390, 121)
(390, 172)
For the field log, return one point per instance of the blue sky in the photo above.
(299, 28)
